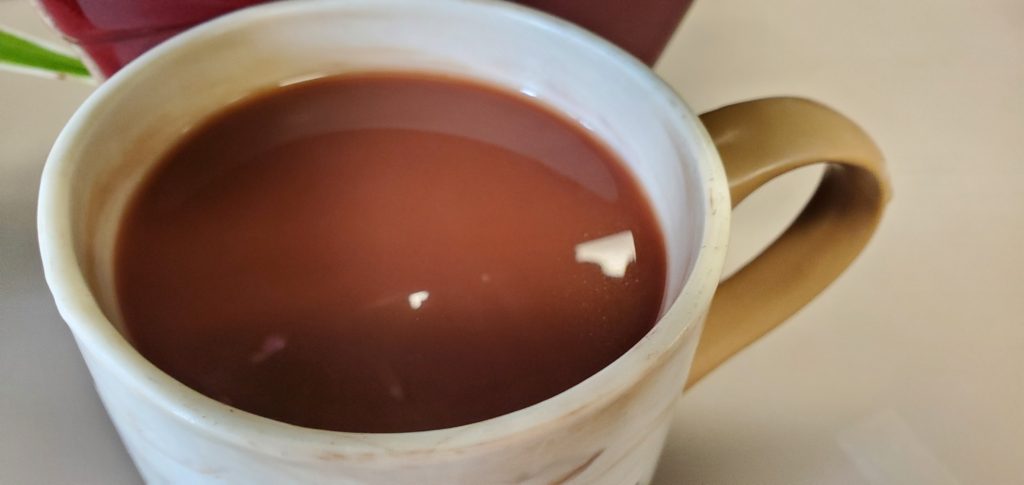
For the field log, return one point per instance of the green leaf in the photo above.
(19, 52)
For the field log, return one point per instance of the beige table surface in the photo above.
(909, 370)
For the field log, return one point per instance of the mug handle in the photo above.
(758, 141)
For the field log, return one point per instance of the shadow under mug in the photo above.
(608, 429)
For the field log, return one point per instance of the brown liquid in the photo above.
(388, 252)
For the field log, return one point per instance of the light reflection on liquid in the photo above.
(416, 299)
(612, 253)
(272, 344)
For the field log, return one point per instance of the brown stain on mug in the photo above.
(575, 472)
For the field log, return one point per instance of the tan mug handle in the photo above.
(758, 141)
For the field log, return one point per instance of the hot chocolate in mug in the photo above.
(610, 428)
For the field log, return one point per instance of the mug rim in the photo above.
(92, 329)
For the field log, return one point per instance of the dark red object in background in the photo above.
(642, 27)
(113, 32)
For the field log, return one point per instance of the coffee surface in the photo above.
(387, 252)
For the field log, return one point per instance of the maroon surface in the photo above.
(113, 32)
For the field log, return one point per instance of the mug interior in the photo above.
(133, 119)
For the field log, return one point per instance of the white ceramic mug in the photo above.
(607, 430)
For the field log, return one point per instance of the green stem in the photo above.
(19, 52)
